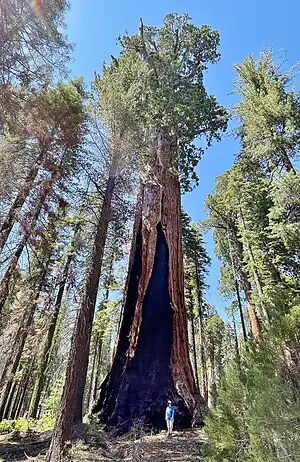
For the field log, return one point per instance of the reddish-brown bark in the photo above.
(162, 204)
(70, 412)
(253, 319)
(156, 259)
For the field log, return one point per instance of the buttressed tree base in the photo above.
(151, 363)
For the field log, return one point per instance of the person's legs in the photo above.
(169, 426)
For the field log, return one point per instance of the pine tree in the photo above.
(117, 158)
(197, 261)
(56, 128)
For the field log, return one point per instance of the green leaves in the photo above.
(256, 416)
(32, 49)
(156, 85)
(269, 111)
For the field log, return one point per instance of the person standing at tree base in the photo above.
(170, 412)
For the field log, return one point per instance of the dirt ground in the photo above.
(181, 447)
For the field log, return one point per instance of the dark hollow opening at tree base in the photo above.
(138, 388)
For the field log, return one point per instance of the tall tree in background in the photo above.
(118, 154)
(197, 261)
(51, 120)
(223, 209)
(215, 334)
(48, 342)
(257, 201)
(33, 49)
(269, 112)
(35, 284)
(32, 42)
(55, 124)
(151, 362)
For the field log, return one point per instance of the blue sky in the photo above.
(245, 26)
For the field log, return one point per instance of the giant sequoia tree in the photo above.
(151, 361)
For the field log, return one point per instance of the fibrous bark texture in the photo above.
(69, 419)
(151, 362)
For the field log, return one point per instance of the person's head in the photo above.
(169, 403)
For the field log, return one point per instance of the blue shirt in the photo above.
(170, 413)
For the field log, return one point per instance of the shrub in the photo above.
(256, 418)
(5, 427)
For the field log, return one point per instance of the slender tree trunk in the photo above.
(9, 401)
(189, 302)
(12, 364)
(194, 349)
(18, 203)
(236, 283)
(20, 404)
(202, 336)
(287, 162)
(254, 321)
(97, 374)
(93, 373)
(7, 281)
(151, 361)
(238, 296)
(211, 374)
(236, 342)
(98, 351)
(255, 272)
(16, 400)
(45, 357)
(70, 411)
(246, 286)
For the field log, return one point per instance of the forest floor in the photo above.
(181, 447)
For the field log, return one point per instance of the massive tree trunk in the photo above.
(18, 203)
(151, 362)
(70, 411)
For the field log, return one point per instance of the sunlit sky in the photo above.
(245, 26)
